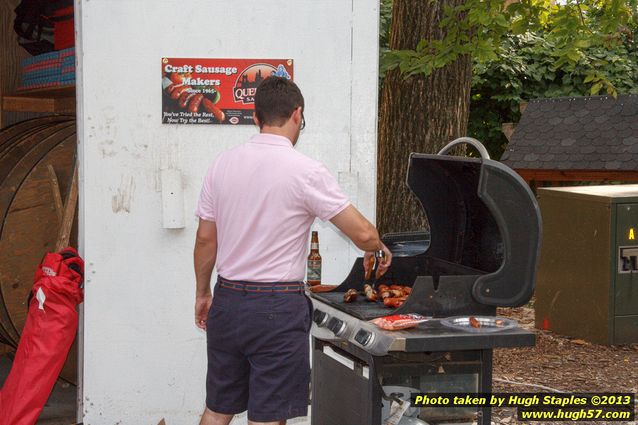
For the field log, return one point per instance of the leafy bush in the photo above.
(525, 50)
(525, 68)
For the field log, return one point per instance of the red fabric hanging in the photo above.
(63, 29)
(46, 338)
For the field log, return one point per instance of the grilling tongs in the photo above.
(373, 266)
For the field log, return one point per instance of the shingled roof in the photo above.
(576, 133)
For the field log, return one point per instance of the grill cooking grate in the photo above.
(360, 309)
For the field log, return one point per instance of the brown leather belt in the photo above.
(265, 287)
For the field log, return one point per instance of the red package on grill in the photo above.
(399, 321)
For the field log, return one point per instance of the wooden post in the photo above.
(69, 213)
(55, 188)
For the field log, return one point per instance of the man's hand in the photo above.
(364, 235)
(384, 265)
(202, 306)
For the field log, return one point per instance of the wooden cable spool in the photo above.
(37, 159)
(8, 138)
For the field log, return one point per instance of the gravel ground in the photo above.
(562, 364)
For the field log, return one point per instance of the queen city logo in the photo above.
(250, 78)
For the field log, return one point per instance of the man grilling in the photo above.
(256, 207)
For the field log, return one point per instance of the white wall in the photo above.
(143, 357)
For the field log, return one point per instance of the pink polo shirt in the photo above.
(263, 197)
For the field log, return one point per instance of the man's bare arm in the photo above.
(356, 227)
(205, 255)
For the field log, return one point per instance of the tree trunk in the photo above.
(418, 114)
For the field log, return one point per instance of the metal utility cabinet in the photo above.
(587, 283)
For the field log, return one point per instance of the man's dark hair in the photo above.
(275, 101)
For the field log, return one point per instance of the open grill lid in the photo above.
(481, 215)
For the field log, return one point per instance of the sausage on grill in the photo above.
(371, 294)
(394, 302)
(350, 295)
(474, 322)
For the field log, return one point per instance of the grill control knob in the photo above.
(336, 326)
(363, 337)
(319, 317)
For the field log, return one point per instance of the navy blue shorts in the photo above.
(258, 354)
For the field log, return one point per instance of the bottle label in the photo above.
(314, 245)
(314, 271)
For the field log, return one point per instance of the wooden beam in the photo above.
(38, 104)
(52, 100)
(578, 175)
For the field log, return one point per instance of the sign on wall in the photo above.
(215, 91)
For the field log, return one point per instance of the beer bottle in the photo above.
(314, 261)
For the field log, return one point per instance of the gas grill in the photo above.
(481, 253)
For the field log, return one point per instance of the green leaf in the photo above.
(501, 21)
(611, 90)
(422, 45)
(519, 26)
(595, 88)
(573, 55)
(582, 43)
